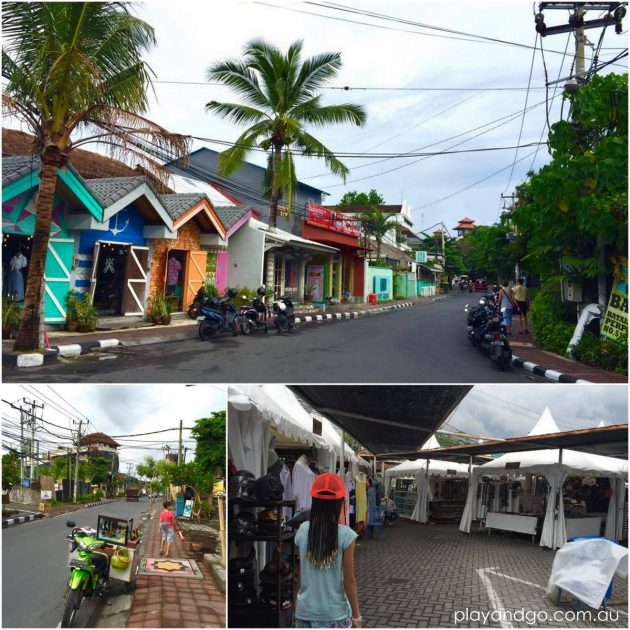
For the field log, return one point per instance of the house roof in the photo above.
(94, 438)
(109, 190)
(355, 208)
(178, 204)
(18, 166)
(230, 215)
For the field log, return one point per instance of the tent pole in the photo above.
(426, 501)
(558, 506)
(341, 454)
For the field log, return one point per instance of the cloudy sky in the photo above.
(117, 410)
(393, 60)
(512, 410)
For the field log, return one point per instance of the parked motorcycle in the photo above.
(217, 316)
(487, 332)
(198, 301)
(284, 314)
(89, 573)
(254, 316)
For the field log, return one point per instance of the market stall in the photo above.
(426, 489)
(554, 493)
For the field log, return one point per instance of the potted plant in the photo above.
(11, 316)
(160, 308)
(309, 291)
(86, 313)
(72, 321)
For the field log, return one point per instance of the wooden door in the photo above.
(195, 275)
(57, 278)
(135, 287)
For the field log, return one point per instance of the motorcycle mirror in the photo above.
(244, 297)
(70, 524)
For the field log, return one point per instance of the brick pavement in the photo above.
(171, 602)
(419, 575)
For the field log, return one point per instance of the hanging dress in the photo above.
(361, 502)
(15, 279)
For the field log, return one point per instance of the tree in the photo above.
(197, 477)
(486, 252)
(376, 224)
(582, 194)
(210, 436)
(10, 470)
(101, 467)
(281, 95)
(74, 74)
(354, 198)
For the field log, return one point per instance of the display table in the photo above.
(512, 523)
(583, 526)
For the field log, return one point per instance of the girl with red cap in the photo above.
(327, 596)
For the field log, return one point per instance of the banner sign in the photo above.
(615, 324)
(188, 506)
(421, 257)
(333, 221)
(315, 277)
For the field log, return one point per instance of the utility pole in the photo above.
(76, 464)
(33, 423)
(179, 454)
(22, 449)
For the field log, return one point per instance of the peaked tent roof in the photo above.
(411, 467)
(545, 424)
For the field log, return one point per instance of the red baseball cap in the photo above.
(328, 486)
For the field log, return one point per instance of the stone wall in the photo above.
(188, 238)
(25, 496)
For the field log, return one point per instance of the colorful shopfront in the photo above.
(73, 199)
(338, 275)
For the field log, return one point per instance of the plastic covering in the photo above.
(585, 568)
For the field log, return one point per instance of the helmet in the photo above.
(268, 523)
(282, 306)
(243, 566)
(241, 484)
(244, 524)
(231, 293)
(270, 573)
(269, 486)
(261, 290)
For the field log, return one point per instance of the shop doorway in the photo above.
(175, 269)
(119, 278)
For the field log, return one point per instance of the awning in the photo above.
(385, 418)
(280, 238)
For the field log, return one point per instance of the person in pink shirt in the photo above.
(167, 525)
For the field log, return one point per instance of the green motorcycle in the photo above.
(89, 571)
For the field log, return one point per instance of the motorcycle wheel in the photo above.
(282, 323)
(73, 603)
(193, 312)
(206, 330)
(245, 326)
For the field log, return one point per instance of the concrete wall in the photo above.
(380, 281)
(25, 496)
(405, 286)
(246, 251)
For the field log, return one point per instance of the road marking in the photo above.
(493, 597)
(509, 577)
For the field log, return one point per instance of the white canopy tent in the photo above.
(422, 470)
(555, 465)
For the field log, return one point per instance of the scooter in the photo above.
(217, 316)
(495, 343)
(254, 317)
(87, 580)
(198, 301)
(284, 314)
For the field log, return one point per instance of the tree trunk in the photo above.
(32, 324)
(275, 189)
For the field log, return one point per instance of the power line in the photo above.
(151, 432)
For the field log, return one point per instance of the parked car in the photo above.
(481, 285)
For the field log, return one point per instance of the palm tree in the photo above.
(74, 74)
(376, 224)
(281, 94)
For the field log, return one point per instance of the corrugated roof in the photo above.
(18, 166)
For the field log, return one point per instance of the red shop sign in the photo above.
(333, 221)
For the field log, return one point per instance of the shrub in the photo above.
(551, 321)
(602, 353)
(210, 290)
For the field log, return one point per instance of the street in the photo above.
(425, 343)
(34, 567)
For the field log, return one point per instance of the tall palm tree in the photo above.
(281, 95)
(376, 224)
(74, 74)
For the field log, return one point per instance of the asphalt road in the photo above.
(425, 343)
(35, 571)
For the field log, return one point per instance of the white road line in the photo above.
(493, 597)
(509, 577)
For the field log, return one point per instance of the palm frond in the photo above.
(240, 114)
(239, 77)
(233, 158)
(311, 112)
(311, 146)
(314, 72)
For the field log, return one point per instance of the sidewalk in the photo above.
(523, 347)
(174, 602)
(25, 510)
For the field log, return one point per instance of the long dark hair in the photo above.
(323, 532)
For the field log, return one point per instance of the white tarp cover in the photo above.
(585, 568)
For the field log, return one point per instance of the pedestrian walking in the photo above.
(507, 305)
(521, 296)
(327, 591)
(167, 527)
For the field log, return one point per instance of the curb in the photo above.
(37, 359)
(551, 375)
(214, 566)
(349, 314)
(17, 520)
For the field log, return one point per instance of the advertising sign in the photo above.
(421, 257)
(188, 506)
(46, 494)
(315, 277)
(615, 324)
(333, 221)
